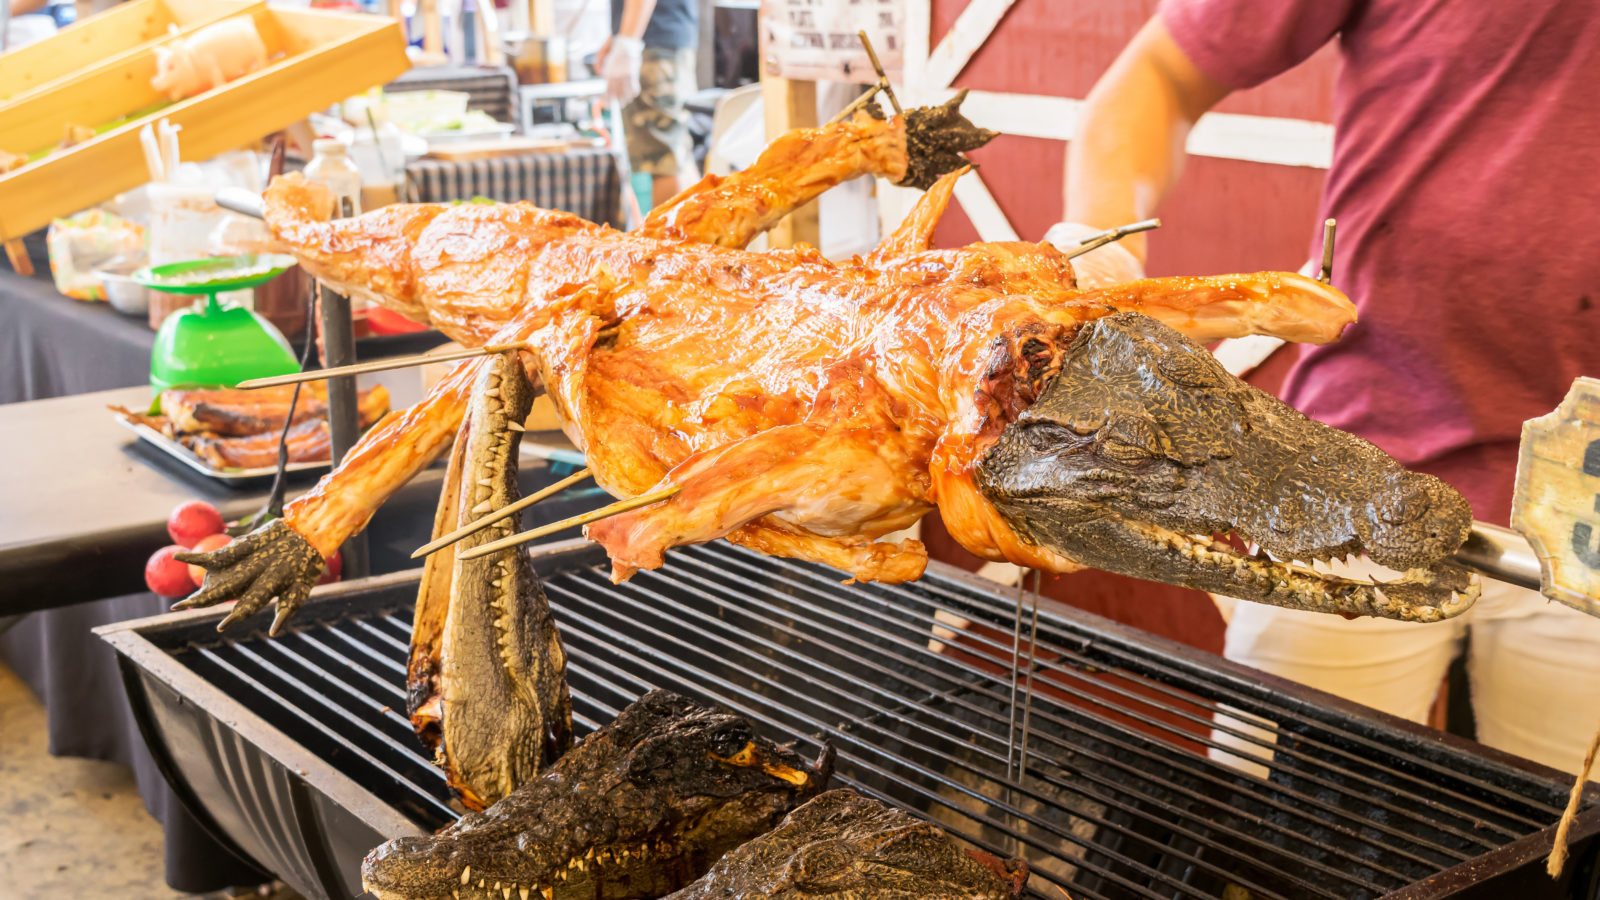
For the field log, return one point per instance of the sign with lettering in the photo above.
(1556, 505)
(816, 40)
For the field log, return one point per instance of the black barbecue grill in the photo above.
(298, 752)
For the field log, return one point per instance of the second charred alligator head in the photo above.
(638, 809)
(843, 846)
(1145, 457)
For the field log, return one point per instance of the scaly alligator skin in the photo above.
(487, 680)
(637, 809)
(843, 846)
(1143, 448)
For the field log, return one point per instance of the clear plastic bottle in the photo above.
(331, 165)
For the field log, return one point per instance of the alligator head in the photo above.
(1143, 456)
(638, 809)
(487, 680)
(844, 846)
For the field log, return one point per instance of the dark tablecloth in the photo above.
(53, 346)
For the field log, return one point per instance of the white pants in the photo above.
(1533, 664)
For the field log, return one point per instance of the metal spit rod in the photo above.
(1501, 554)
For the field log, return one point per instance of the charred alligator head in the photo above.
(638, 809)
(487, 681)
(1143, 456)
(843, 846)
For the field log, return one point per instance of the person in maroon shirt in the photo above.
(1466, 183)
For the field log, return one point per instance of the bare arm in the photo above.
(1130, 146)
(23, 7)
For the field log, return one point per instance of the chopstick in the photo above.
(497, 515)
(604, 512)
(378, 365)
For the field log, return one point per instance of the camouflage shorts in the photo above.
(657, 122)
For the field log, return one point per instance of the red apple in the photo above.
(335, 566)
(166, 576)
(206, 545)
(192, 521)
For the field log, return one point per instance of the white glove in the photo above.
(620, 68)
(1102, 266)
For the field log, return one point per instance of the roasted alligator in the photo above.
(843, 846)
(637, 809)
(804, 408)
(487, 681)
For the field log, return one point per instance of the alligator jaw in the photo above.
(488, 689)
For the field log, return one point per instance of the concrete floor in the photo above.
(71, 827)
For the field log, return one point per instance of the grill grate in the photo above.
(1123, 793)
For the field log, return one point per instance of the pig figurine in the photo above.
(216, 54)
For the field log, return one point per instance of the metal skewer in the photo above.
(1325, 274)
(497, 515)
(1096, 241)
(605, 512)
(379, 365)
(1027, 701)
(1016, 663)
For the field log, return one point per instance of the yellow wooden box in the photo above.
(105, 39)
(315, 59)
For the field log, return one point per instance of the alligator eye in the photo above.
(730, 741)
(1401, 502)
(1188, 370)
(1130, 440)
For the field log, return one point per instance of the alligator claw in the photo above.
(936, 138)
(273, 561)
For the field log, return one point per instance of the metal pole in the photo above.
(344, 420)
(1501, 554)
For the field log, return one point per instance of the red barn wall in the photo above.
(1225, 215)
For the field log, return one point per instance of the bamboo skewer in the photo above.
(379, 365)
(605, 512)
(497, 515)
(882, 84)
(1096, 241)
(1325, 273)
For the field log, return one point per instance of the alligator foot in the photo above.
(271, 562)
(936, 138)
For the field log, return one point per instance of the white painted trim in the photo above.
(965, 36)
(981, 208)
(1263, 139)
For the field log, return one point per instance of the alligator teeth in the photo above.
(483, 507)
(466, 874)
(522, 893)
(516, 426)
(547, 892)
(505, 893)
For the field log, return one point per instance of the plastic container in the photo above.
(126, 296)
(331, 165)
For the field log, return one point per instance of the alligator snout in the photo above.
(1143, 451)
(1413, 520)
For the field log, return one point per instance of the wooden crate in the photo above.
(105, 39)
(326, 57)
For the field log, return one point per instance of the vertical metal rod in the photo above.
(1016, 662)
(344, 421)
(1027, 702)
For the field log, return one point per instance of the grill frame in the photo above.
(270, 798)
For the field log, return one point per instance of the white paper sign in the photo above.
(817, 40)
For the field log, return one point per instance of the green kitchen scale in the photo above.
(211, 344)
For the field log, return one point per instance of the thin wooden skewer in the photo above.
(605, 512)
(497, 515)
(1325, 274)
(379, 365)
(1096, 241)
(883, 77)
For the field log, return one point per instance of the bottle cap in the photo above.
(329, 146)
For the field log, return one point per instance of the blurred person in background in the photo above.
(649, 67)
(1464, 180)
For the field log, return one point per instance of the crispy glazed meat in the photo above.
(803, 407)
(228, 412)
(309, 441)
(843, 846)
(638, 809)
